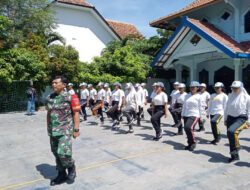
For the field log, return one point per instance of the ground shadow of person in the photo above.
(146, 128)
(90, 123)
(214, 156)
(146, 136)
(47, 171)
(176, 145)
(242, 164)
(166, 125)
(245, 139)
(169, 133)
(202, 141)
(222, 135)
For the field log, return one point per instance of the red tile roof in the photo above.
(220, 36)
(76, 2)
(123, 29)
(196, 5)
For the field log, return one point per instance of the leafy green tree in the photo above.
(27, 16)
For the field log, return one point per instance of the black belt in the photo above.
(159, 107)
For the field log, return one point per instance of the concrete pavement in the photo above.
(115, 160)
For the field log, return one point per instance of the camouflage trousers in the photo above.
(61, 147)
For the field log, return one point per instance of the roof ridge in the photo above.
(195, 5)
(109, 20)
(76, 2)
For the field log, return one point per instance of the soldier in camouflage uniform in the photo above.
(63, 124)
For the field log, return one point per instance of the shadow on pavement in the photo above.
(245, 139)
(169, 133)
(214, 156)
(46, 170)
(202, 141)
(222, 135)
(146, 136)
(166, 125)
(176, 145)
(242, 164)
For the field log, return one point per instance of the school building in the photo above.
(211, 42)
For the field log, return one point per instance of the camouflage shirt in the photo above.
(61, 109)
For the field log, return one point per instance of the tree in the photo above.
(27, 16)
(63, 61)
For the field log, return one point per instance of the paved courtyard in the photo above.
(115, 160)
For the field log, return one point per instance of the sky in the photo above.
(138, 12)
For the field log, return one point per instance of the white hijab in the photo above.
(238, 100)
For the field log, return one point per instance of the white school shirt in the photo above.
(160, 99)
(92, 94)
(192, 106)
(145, 94)
(117, 96)
(140, 97)
(173, 94)
(153, 94)
(131, 99)
(180, 98)
(72, 92)
(108, 94)
(237, 108)
(101, 94)
(84, 94)
(205, 96)
(217, 104)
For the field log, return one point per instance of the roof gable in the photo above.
(76, 2)
(208, 31)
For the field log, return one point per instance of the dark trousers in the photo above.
(128, 112)
(189, 123)
(215, 119)
(176, 113)
(91, 103)
(201, 124)
(234, 126)
(174, 118)
(83, 107)
(159, 111)
(97, 109)
(113, 112)
(139, 115)
(106, 106)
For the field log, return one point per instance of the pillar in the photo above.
(193, 72)
(211, 77)
(178, 69)
(237, 69)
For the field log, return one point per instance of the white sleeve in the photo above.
(200, 107)
(165, 98)
(95, 93)
(248, 110)
(120, 98)
(183, 108)
(225, 100)
(136, 102)
(209, 106)
(146, 93)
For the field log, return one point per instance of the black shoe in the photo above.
(192, 147)
(158, 136)
(130, 129)
(234, 157)
(201, 129)
(114, 124)
(61, 178)
(187, 147)
(71, 175)
(179, 133)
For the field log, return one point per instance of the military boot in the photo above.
(71, 174)
(61, 178)
(130, 129)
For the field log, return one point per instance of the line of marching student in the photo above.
(191, 108)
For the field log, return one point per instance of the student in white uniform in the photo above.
(117, 101)
(84, 99)
(140, 98)
(108, 95)
(131, 106)
(143, 86)
(97, 109)
(176, 111)
(191, 113)
(159, 108)
(216, 107)
(153, 94)
(172, 102)
(205, 97)
(237, 117)
(71, 90)
(92, 96)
